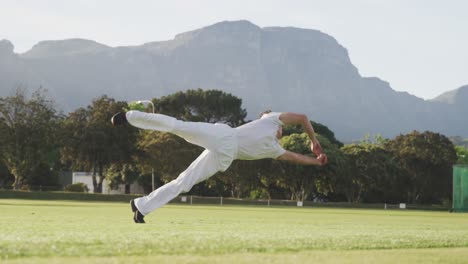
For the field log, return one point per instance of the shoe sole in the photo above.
(135, 213)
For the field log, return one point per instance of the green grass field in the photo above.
(103, 232)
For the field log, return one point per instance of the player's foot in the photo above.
(137, 216)
(119, 119)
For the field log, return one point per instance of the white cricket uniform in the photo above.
(223, 144)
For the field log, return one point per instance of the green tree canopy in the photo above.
(306, 180)
(28, 129)
(374, 174)
(318, 128)
(299, 179)
(92, 144)
(203, 106)
(427, 159)
(125, 174)
(166, 153)
(462, 155)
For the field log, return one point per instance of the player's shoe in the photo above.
(137, 216)
(119, 119)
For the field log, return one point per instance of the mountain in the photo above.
(457, 96)
(279, 68)
(453, 105)
(62, 48)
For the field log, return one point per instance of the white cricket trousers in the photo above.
(219, 141)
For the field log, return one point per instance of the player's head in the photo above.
(264, 113)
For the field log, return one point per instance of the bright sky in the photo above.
(418, 46)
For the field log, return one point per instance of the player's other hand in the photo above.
(316, 148)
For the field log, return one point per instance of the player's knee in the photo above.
(184, 185)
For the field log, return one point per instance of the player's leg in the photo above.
(205, 166)
(157, 122)
(206, 135)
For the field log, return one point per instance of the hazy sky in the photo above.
(418, 46)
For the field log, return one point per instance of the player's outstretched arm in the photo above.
(303, 159)
(301, 119)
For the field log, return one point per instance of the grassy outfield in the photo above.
(103, 232)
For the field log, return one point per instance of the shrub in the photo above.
(76, 187)
(259, 194)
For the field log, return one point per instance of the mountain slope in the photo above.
(279, 68)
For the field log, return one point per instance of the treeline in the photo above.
(37, 143)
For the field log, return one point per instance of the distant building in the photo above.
(87, 178)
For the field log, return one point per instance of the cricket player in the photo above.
(223, 144)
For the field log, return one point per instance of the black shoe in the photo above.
(137, 216)
(119, 119)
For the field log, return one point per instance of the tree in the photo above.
(427, 159)
(92, 144)
(5, 176)
(318, 128)
(375, 176)
(122, 174)
(28, 129)
(199, 105)
(299, 179)
(168, 154)
(462, 155)
(254, 178)
(331, 180)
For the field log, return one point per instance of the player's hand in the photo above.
(323, 159)
(316, 148)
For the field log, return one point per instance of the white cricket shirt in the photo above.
(257, 139)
